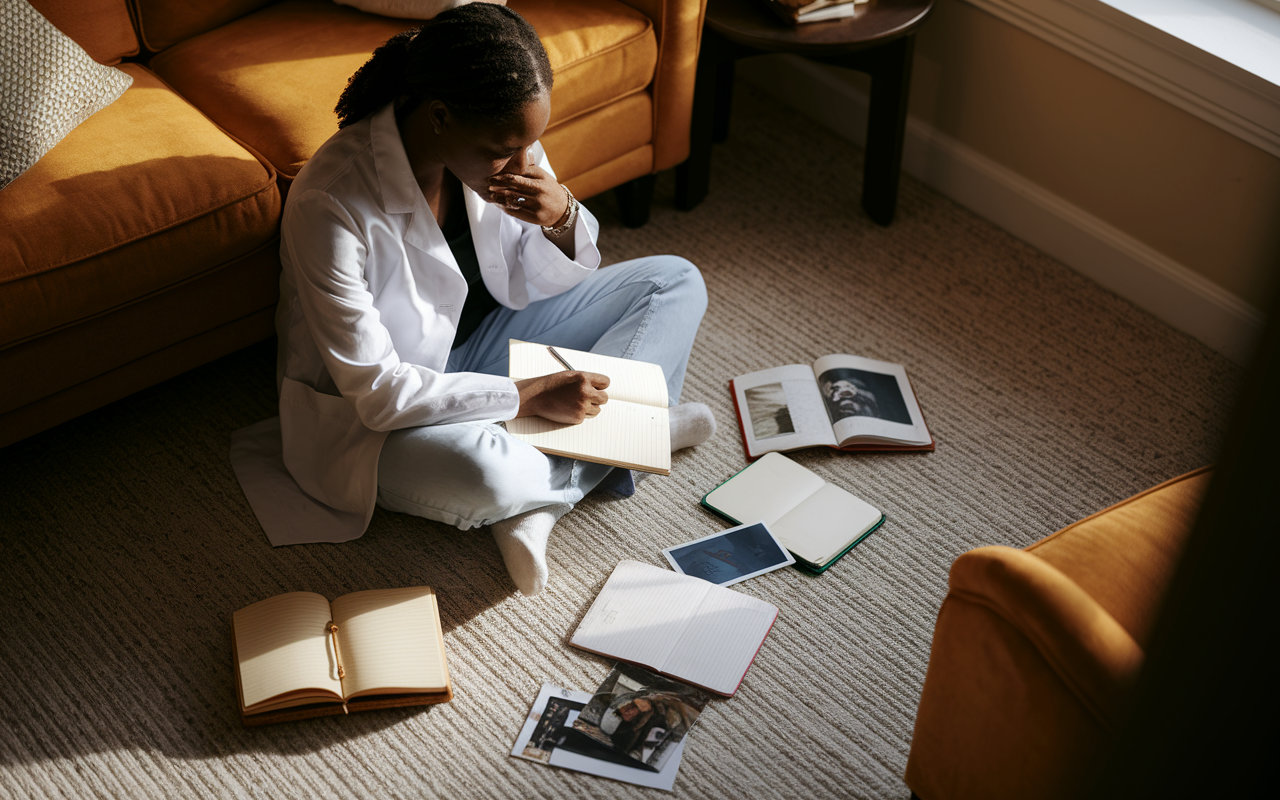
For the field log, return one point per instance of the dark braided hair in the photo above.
(483, 61)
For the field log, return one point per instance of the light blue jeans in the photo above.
(474, 473)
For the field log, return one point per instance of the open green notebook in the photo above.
(817, 521)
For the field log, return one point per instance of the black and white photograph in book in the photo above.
(641, 714)
(769, 412)
(858, 393)
(730, 556)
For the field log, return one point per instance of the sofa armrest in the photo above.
(1091, 653)
(1027, 678)
(678, 27)
(1124, 556)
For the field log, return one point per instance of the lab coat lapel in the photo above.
(486, 232)
(400, 191)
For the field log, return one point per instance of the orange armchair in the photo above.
(1036, 651)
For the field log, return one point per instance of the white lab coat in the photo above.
(370, 297)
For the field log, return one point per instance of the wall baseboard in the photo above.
(1087, 244)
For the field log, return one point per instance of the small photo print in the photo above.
(858, 393)
(730, 556)
(769, 412)
(641, 715)
(556, 720)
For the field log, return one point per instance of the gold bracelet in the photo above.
(556, 231)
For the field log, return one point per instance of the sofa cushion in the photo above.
(164, 23)
(102, 27)
(273, 78)
(48, 86)
(144, 194)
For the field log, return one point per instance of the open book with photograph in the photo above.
(840, 401)
(297, 655)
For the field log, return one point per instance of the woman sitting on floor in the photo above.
(416, 241)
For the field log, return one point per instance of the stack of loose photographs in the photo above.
(634, 726)
(632, 729)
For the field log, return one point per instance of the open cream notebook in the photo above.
(817, 521)
(298, 655)
(632, 430)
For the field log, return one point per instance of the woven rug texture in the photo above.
(128, 544)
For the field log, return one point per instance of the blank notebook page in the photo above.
(640, 614)
(721, 640)
(389, 640)
(825, 524)
(622, 434)
(282, 646)
(765, 491)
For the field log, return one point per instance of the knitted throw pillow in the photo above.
(48, 86)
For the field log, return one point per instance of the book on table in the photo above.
(632, 430)
(840, 401)
(297, 655)
(676, 625)
(817, 521)
(801, 11)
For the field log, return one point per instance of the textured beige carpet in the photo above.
(127, 543)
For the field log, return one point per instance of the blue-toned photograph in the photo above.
(732, 556)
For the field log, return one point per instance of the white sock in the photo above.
(691, 425)
(522, 539)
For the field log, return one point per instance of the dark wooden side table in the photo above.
(878, 40)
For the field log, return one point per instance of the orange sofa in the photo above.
(1036, 651)
(146, 242)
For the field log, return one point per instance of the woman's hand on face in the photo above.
(532, 195)
(567, 397)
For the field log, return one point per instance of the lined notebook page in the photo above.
(722, 638)
(765, 491)
(640, 614)
(390, 641)
(282, 647)
(632, 381)
(623, 434)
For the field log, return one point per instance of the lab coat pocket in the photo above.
(328, 450)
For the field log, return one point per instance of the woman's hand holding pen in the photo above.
(569, 396)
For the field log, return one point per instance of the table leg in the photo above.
(693, 177)
(635, 199)
(724, 100)
(890, 69)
